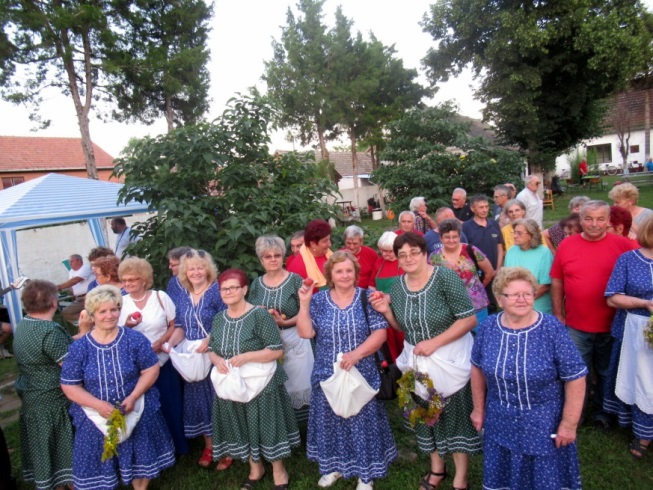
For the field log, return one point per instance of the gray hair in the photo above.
(177, 253)
(353, 231)
(502, 189)
(459, 190)
(532, 228)
(594, 204)
(403, 213)
(297, 234)
(512, 202)
(440, 211)
(577, 201)
(415, 202)
(269, 242)
(100, 295)
(387, 240)
(530, 177)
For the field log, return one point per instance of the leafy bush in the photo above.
(216, 187)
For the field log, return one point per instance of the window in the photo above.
(8, 182)
(634, 149)
(603, 153)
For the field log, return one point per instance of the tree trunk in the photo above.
(375, 165)
(81, 110)
(169, 116)
(647, 122)
(323, 148)
(354, 163)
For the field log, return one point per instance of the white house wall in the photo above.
(365, 190)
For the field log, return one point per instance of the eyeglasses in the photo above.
(413, 254)
(200, 253)
(230, 290)
(271, 257)
(128, 280)
(521, 233)
(514, 296)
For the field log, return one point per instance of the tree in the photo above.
(50, 44)
(216, 187)
(419, 163)
(621, 121)
(296, 77)
(544, 66)
(161, 66)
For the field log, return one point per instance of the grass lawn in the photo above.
(605, 460)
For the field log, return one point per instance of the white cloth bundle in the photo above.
(298, 365)
(242, 384)
(347, 391)
(449, 367)
(191, 365)
(131, 419)
(635, 376)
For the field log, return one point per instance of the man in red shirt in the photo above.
(579, 275)
(296, 242)
(366, 256)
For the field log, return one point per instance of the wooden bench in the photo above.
(638, 178)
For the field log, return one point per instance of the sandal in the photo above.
(207, 457)
(224, 464)
(636, 446)
(425, 482)
(282, 486)
(249, 483)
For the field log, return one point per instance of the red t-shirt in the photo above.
(401, 232)
(366, 259)
(585, 266)
(289, 260)
(297, 265)
(383, 269)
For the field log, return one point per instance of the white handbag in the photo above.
(131, 419)
(191, 365)
(243, 384)
(347, 391)
(449, 367)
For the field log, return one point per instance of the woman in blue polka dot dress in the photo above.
(528, 386)
(362, 445)
(109, 367)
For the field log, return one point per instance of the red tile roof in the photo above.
(28, 153)
(633, 102)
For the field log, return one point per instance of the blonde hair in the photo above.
(336, 258)
(506, 275)
(624, 191)
(645, 233)
(197, 256)
(100, 295)
(138, 267)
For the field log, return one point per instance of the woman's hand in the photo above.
(566, 434)
(279, 318)
(133, 319)
(478, 417)
(305, 292)
(127, 405)
(157, 346)
(220, 363)
(380, 302)
(349, 360)
(204, 346)
(425, 348)
(85, 322)
(104, 408)
(240, 359)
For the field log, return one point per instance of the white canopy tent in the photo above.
(53, 199)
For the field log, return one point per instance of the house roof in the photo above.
(30, 153)
(632, 103)
(342, 161)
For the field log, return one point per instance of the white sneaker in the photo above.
(364, 486)
(328, 480)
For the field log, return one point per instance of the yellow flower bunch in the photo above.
(648, 333)
(415, 409)
(116, 423)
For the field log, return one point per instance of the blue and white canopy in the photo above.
(53, 199)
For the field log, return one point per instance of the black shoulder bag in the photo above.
(389, 374)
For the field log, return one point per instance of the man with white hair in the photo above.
(366, 256)
(531, 200)
(459, 205)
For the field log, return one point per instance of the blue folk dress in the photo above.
(196, 320)
(525, 372)
(633, 276)
(110, 372)
(361, 445)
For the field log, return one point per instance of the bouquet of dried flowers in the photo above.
(416, 409)
(116, 423)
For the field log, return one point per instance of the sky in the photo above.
(240, 42)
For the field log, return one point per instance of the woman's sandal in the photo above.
(249, 483)
(636, 446)
(207, 457)
(282, 486)
(425, 482)
(224, 464)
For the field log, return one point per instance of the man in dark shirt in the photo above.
(459, 206)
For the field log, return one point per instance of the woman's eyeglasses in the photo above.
(271, 257)
(413, 254)
(230, 290)
(514, 296)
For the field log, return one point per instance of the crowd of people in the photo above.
(506, 319)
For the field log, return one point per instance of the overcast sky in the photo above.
(241, 40)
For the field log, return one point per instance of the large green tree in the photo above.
(160, 68)
(544, 66)
(419, 163)
(216, 187)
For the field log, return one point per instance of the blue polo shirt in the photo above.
(486, 238)
(432, 238)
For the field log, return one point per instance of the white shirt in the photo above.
(124, 239)
(533, 203)
(86, 274)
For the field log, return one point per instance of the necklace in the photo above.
(198, 294)
(139, 299)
